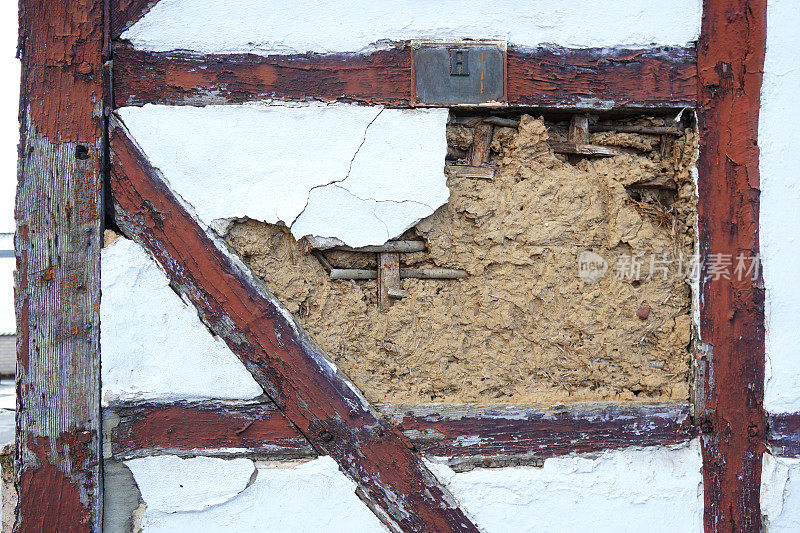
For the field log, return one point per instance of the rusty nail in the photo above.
(325, 436)
(752, 431)
(85, 68)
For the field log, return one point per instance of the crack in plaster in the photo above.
(349, 168)
(377, 154)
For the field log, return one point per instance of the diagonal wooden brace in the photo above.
(294, 372)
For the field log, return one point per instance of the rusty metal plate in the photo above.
(459, 73)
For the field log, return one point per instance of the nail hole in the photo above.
(81, 152)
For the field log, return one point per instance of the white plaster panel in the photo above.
(153, 344)
(363, 174)
(778, 139)
(272, 27)
(284, 497)
(170, 484)
(651, 489)
(780, 494)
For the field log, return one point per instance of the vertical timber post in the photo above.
(59, 214)
(730, 63)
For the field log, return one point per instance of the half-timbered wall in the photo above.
(280, 161)
(220, 414)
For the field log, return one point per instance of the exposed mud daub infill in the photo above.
(563, 252)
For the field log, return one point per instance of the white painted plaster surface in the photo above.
(778, 138)
(651, 489)
(170, 484)
(780, 494)
(363, 174)
(153, 344)
(285, 497)
(273, 27)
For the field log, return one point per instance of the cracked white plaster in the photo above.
(284, 497)
(780, 493)
(269, 27)
(154, 346)
(779, 215)
(359, 175)
(170, 484)
(616, 491)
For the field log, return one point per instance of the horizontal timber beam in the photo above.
(478, 435)
(305, 385)
(210, 428)
(592, 78)
(784, 433)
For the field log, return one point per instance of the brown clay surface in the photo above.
(523, 327)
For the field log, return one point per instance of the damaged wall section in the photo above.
(523, 326)
(362, 174)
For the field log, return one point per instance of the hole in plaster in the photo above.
(528, 323)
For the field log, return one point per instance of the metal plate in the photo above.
(459, 73)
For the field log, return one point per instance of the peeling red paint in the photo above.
(52, 500)
(550, 433)
(730, 64)
(58, 196)
(68, 35)
(785, 433)
(202, 427)
(541, 77)
(258, 428)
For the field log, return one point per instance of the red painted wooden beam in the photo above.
(784, 433)
(203, 428)
(125, 13)
(495, 432)
(317, 398)
(494, 435)
(544, 77)
(730, 65)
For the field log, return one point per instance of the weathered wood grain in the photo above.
(313, 394)
(469, 435)
(730, 64)
(202, 428)
(383, 77)
(544, 77)
(57, 286)
(478, 153)
(388, 278)
(602, 78)
(591, 150)
(784, 433)
(505, 434)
